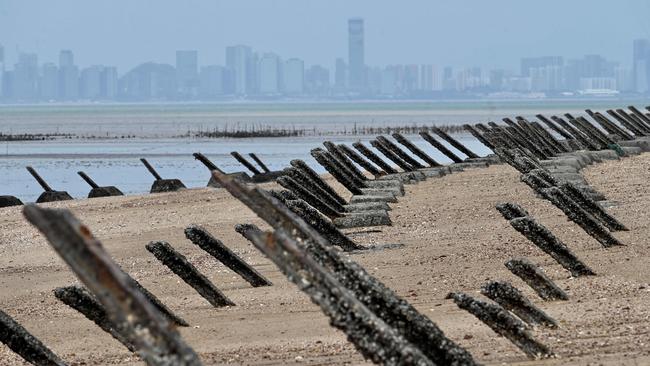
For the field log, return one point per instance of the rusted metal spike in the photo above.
(39, 179)
(188, 273)
(622, 130)
(596, 131)
(544, 239)
(175, 319)
(158, 342)
(205, 161)
(581, 217)
(536, 279)
(511, 211)
(375, 339)
(344, 161)
(453, 142)
(82, 301)
(219, 251)
(316, 179)
(442, 148)
(245, 162)
(259, 162)
(634, 120)
(584, 140)
(374, 158)
(365, 164)
(392, 156)
(305, 181)
(416, 150)
(592, 207)
(304, 193)
(510, 298)
(98, 191)
(393, 310)
(503, 323)
(640, 115)
(547, 135)
(597, 141)
(477, 135)
(151, 169)
(19, 340)
(399, 152)
(609, 126)
(554, 127)
(625, 123)
(88, 180)
(324, 159)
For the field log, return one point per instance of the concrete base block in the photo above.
(54, 196)
(631, 150)
(365, 219)
(642, 144)
(167, 185)
(395, 192)
(372, 198)
(104, 192)
(8, 201)
(369, 206)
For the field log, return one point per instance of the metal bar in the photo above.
(209, 164)
(392, 156)
(365, 164)
(536, 279)
(157, 340)
(442, 148)
(331, 165)
(399, 152)
(40, 180)
(24, 344)
(259, 162)
(453, 142)
(511, 299)
(223, 254)
(477, 135)
(313, 188)
(245, 162)
(305, 194)
(344, 161)
(316, 179)
(151, 169)
(374, 158)
(88, 180)
(554, 127)
(188, 273)
(416, 150)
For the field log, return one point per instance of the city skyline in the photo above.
(246, 72)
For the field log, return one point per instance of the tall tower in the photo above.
(238, 61)
(357, 65)
(187, 72)
(2, 70)
(641, 65)
(68, 76)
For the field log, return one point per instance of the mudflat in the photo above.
(453, 240)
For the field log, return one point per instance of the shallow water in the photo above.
(117, 162)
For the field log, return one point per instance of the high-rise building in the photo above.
(25, 77)
(239, 59)
(187, 73)
(211, 81)
(641, 65)
(68, 76)
(2, 71)
(49, 85)
(91, 82)
(545, 72)
(340, 75)
(356, 58)
(269, 74)
(294, 76)
(109, 82)
(317, 80)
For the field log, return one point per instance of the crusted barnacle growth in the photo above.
(536, 279)
(510, 298)
(24, 344)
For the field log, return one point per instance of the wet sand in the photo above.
(454, 240)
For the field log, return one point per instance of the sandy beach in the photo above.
(453, 240)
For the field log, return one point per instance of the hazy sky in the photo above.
(442, 32)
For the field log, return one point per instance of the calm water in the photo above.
(116, 161)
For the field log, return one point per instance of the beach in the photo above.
(452, 240)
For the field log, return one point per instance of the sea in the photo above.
(106, 141)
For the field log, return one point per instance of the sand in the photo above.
(454, 240)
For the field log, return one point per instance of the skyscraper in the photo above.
(187, 73)
(49, 85)
(2, 71)
(641, 65)
(269, 74)
(68, 76)
(25, 83)
(238, 59)
(294, 76)
(340, 75)
(91, 82)
(211, 81)
(357, 68)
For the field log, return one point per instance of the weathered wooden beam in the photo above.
(536, 279)
(24, 344)
(84, 302)
(188, 273)
(504, 324)
(391, 309)
(511, 299)
(157, 340)
(223, 254)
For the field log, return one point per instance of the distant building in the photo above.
(545, 72)
(340, 75)
(25, 77)
(317, 80)
(68, 76)
(294, 76)
(239, 59)
(601, 83)
(641, 65)
(149, 81)
(49, 84)
(269, 74)
(2, 71)
(356, 57)
(109, 83)
(91, 82)
(187, 73)
(211, 81)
